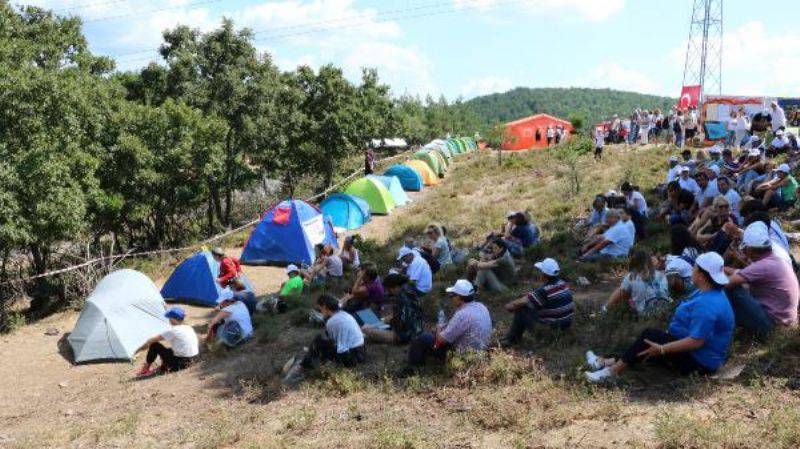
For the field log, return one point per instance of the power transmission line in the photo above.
(137, 14)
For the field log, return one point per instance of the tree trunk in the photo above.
(213, 188)
(230, 167)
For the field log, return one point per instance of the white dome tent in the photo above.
(123, 311)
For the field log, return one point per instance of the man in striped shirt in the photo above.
(550, 305)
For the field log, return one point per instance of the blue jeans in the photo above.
(678, 139)
(749, 313)
(231, 334)
(597, 257)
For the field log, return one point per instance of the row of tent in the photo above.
(126, 308)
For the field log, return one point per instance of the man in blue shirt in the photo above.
(523, 234)
(615, 243)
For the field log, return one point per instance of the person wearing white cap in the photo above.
(698, 337)
(417, 269)
(674, 169)
(772, 294)
(779, 144)
(781, 191)
(469, 329)
(231, 325)
(550, 305)
(687, 182)
(679, 278)
(715, 157)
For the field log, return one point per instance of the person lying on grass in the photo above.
(772, 293)
(644, 289)
(469, 329)
(549, 305)
(183, 346)
(698, 337)
(341, 343)
(367, 291)
(614, 243)
(405, 319)
(231, 325)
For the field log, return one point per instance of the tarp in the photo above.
(195, 281)
(389, 143)
(374, 193)
(715, 131)
(429, 178)
(392, 184)
(346, 211)
(409, 178)
(287, 234)
(123, 311)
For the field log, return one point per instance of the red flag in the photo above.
(690, 97)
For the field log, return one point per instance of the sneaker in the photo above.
(594, 361)
(602, 375)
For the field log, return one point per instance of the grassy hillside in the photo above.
(594, 104)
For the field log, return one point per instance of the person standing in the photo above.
(778, 118)
(599, 143)
(369, 161)
(550, 133)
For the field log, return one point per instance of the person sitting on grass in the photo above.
(229, 267)
(327, 270)
(290, 291)
(683, 212)
(417, 270)
(247, 297)
(496, 269)
(350, 255)
(698, 337)
(708, 231)
(781, 191)
(406, 318)
(636, 207)
(687, 182)
(367, 291)
(614, 243)
(437, 245)
(231, 325)
(733, 197)
(183, 346)
(772, 295)
(549, 305)
(708, 190)
(521, 235)
(644, 289)
(469, 329)
(679, 279)
(341, 343)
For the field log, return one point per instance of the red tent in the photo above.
(522, 134)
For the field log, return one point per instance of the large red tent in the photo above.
(521, 134)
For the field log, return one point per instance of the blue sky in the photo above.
(473, 47)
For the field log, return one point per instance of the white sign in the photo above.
(315, 229)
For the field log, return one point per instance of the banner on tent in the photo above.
(315, 229)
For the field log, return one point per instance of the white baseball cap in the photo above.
(715, 169)
(679, 266)
(673, 158)
(291, 267)
(784, 168)
(404, 252)
(779, 132)
(462, 287)
(713, 264)
(754, 152)
(548, 266)
(756, 235)
(685, 169)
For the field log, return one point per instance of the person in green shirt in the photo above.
(290, 290)
(786, 187)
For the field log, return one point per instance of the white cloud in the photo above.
(486, 86)
(405, 69)
(588, 10)
(614, 76)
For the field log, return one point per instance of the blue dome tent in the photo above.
(409, 178)
(394, 187)
(287, 234)
(195, 281)
(345, 211)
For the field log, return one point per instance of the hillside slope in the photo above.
(594, 104)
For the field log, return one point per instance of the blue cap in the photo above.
(176, 313)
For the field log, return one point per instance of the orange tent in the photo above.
(429, 178)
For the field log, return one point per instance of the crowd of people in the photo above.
(729, 265)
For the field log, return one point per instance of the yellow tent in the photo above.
(429, 178)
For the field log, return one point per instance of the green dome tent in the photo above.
(374, 193)
(454, 148)
(432, 161)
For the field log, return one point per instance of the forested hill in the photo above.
(594, 104)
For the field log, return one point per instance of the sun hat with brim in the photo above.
(217, 251)
(175, 313)
(225, 295)
(784, 168)
(678, 266)
(404, 252)
(292, 268)
(713, 264)
(756, 235)
(462, 287)
(548, 266)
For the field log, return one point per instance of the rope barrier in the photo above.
(198, 244)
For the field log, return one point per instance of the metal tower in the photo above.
(704, 50)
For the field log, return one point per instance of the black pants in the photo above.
(421, 348)
(525, 319)
(598, 152)
(683, 362)
(323, 349)
(168, 358)
(639, 223)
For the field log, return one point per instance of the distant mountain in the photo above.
(593, 104)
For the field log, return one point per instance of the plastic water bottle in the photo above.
(441, 319)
